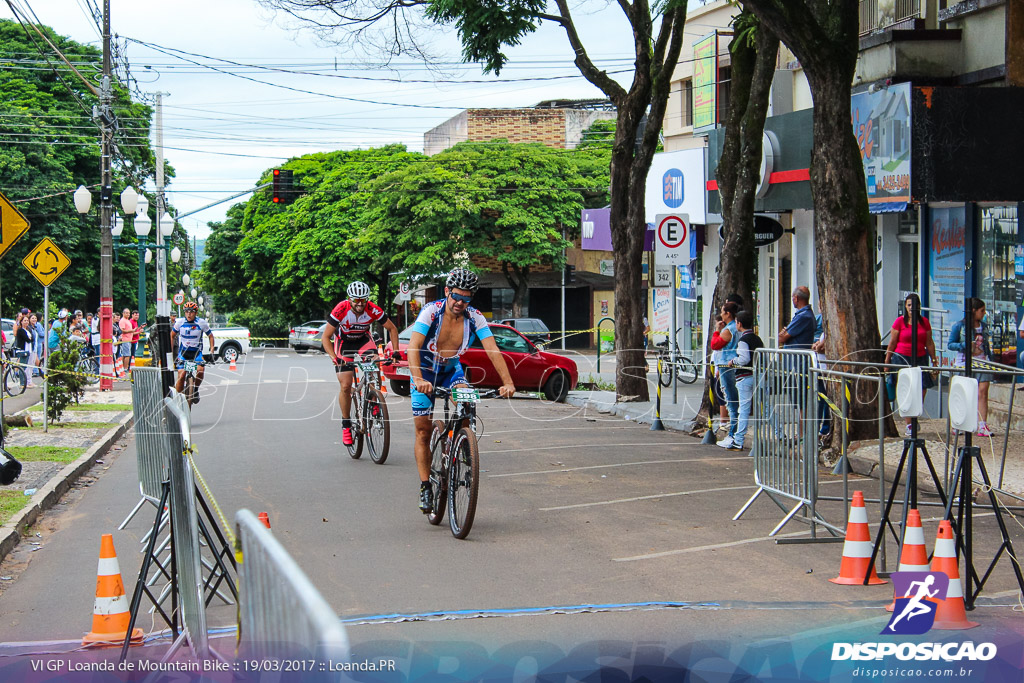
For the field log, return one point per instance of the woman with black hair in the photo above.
(901, 345)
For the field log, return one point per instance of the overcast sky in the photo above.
(222, 131)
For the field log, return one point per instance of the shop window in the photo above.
(687, 108)
(501, 303)
(997, 282)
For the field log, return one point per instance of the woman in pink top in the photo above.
(900, 349)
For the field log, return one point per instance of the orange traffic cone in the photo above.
(857, 548)
(914, 557)
(950, 614)
(110, 616)
(232, 366)
(265, 518)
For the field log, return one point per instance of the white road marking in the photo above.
(620, 464)
(272, 381)
(660, 495)
(645, 444)
(227, 382)
(714, 546)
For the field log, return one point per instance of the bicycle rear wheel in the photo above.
(438, 477)
(14, 381)
(463, 482)
(356, 449)
(378, 427)
(686, 370)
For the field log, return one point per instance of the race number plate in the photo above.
(191, 366)
(465, 395)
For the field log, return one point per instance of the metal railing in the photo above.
(876, 15)
(784, 445)
(152, 449)
(281, 615)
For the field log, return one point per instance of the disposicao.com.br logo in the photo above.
(918, 595)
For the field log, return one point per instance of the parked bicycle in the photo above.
(14, 377)
(685, 369)
(455, 459)
(369, 412)
(88, 364)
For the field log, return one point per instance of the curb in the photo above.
(632, 414)
(47, 496)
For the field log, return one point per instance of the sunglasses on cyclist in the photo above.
(461, 297)
(356, 300)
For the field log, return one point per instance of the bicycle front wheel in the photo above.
(665, 372)
(355, 449)
(89, 368)
(686, 370)
(463, 482)
(378, 427)
(438, 477)
(14, 381)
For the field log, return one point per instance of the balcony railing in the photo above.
(876, 15)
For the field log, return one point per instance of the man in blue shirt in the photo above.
(799, 333)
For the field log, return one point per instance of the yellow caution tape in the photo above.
(188, 452)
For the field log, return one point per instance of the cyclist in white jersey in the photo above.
(190, 332)
(442, 332)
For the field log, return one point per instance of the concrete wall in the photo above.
(578, 120)
(448, 134)
(983, 44)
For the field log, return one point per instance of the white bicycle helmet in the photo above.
(358, 290)
(460, 278)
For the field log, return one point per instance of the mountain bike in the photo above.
(685, 369)
(88, 364)
(189, 389)
(14, 377)
(455, 460)
(369, 412)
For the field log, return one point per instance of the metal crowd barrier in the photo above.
(185, 523)
(281, 615)
(152, 449)
(784, 443)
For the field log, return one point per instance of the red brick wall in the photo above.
(546, 126)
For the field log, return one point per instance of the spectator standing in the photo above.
(36, 359)
(53, 337)
(799, 333)
(980, 351)
(136, 333)
(94, 333)
(24, 343)
(127, 336)
(743, 365)
(725, 340)
(824, 419)
(901, 346)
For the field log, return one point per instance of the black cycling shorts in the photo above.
(349, 349)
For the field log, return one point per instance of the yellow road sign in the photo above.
(12, 225)
(46, 262)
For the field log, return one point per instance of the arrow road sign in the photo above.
(672, 246)
(12, 225)
(46, 262)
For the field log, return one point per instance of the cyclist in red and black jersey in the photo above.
(346, 335)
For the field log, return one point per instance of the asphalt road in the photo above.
(586, 512)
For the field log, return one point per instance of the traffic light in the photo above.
(570, 273)
(283, 187)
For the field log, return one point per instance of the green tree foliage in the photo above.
(482, 199)
(49, 145)
(65, 386)
(222, 272)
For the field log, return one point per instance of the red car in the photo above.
(531, 368)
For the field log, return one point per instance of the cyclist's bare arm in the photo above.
(326, 341)
(413, 354)
(508, 389)
(392, 335)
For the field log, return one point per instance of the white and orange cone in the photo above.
(951, 615)
(914, 557)
(232, 366)
(857, 548)
(110, 614)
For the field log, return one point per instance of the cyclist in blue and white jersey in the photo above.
(441, 334)
(190, 344)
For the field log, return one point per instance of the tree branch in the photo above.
(599, 78)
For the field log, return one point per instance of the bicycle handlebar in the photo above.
(441, 392)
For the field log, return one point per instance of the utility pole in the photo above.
(106, 207)
(163, 306)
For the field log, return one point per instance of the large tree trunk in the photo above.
(753, 68)
(824, 36)
(519, 281)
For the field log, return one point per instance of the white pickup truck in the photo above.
(231, 342)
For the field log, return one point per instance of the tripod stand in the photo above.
(911, 445)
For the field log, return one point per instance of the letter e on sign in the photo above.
(672, 246)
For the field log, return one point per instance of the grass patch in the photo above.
(595, 382)
(10, 503)
(45, 453)
(76, 425)
(90, 407)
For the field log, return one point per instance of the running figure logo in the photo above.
(917, 596)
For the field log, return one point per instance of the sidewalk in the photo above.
(53, 460)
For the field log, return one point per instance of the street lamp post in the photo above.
(142, 225)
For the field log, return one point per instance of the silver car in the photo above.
(8, 327)
(307, 336)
